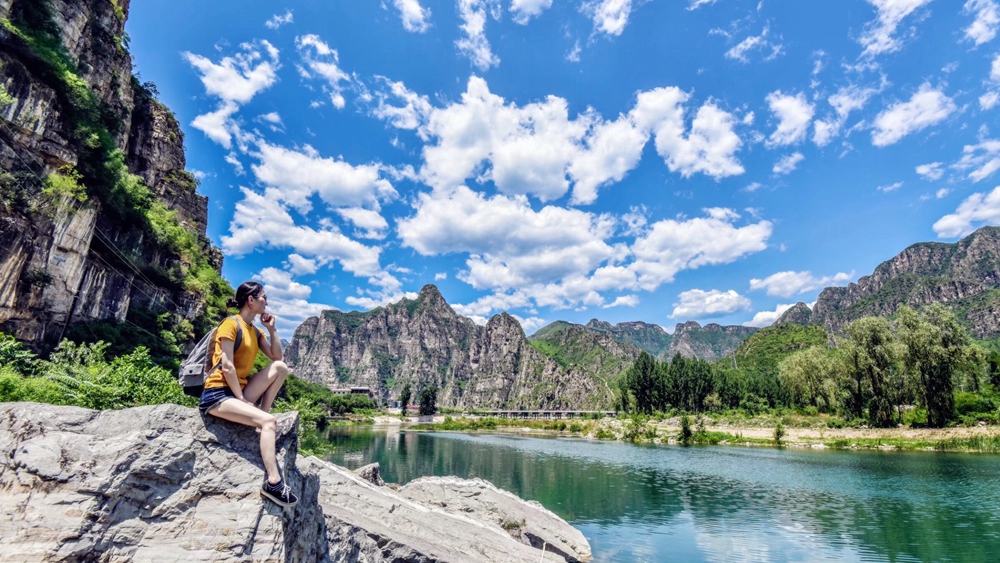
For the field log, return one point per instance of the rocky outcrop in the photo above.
(965, 276)
(645, 336)
(710, 342)
(160, 484)
(799, 314)
(424, 342)
(63, 260)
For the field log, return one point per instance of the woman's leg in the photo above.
(237, 411)
(265, 384)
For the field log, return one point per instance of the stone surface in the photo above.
(371, 474)
(159, 483)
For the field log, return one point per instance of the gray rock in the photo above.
(371, 474)
(158, 483)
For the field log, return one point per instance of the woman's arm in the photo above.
(229, 368)
(272, 345)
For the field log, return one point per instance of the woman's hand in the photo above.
(267, 319)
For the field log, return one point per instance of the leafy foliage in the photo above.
(428, 400)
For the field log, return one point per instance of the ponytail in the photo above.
(243, 293)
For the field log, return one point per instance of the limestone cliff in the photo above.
(424, 342)
(68, 79)
(159, 483)
(964, 275)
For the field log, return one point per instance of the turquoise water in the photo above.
(671, 503)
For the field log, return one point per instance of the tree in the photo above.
(643, 382)
(813, 377)
(428, 400)
(872, 357)
(404, 396)
(937, 350)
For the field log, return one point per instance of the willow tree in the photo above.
(813, 377)
(937, 350)
(872, 356)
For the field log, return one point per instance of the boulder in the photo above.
(160, 483)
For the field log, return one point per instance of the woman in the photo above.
(232, 394)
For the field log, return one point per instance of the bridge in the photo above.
(543, 415)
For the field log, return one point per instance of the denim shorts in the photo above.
(211, 398)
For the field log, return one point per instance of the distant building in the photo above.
(367, 391)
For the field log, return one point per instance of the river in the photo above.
(719, 503)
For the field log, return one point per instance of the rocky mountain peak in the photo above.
(689, 325)
(599, 325)
(430, 295)
(800, 314)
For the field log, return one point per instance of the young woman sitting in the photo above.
(233, 394)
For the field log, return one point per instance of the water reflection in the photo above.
(660, 503)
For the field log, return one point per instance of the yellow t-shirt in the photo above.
(243, 358)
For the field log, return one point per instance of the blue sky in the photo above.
(650, 160)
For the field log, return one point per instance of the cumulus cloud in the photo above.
(262, 222)
(980, 160)
(879, 36)
(926, 107)
(299, 265)
(538, 149)
(697, 303)
(931, 171)
(988, 100)
(288, 299)
(483, 306)
(371, 224)
(218, 125)
(523, 10)
(977, 210)
(239, 78)
(623, 301)
(755, 43)
(416, 18)
(278, 20)
(319, 59)
(987, 19)
(560, 257)
(886, 188)
(474, 45)
(846, 100)
(767, 318)
(787, 164)
(787, 284)
(794, 114)
(298, 174)
(609, 16)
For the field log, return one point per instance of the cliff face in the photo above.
(964, 275)
(710, 342)
(159, 483)
(61, 259)
(424, 342)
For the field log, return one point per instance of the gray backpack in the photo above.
(195, 368)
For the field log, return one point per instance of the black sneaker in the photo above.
(280, 493)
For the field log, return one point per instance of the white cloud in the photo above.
(483, 306)
(695, 4)
(927, 107)
(537, 149)
(982, 159)
(741, 50)
(995, 69)
(298, 174)
(941, 193)
(846, 100)
(240, 77)
(931, 171)
(416, 18)
(574, 55)
(218, 125)
(767, 318)
(976, 211)
(299, 265)
(372, 224)
(262, 222)
(321, 60)
(889, 187)
(794, 114)
(879, 35)
(440, 276)
(988, 100)
(623, 301)
(697, 303)
(987, 19)
(787, 164)
(787, 284)
(287, 300)
(752, 187)
(277, 20)
(234, 160)
(523, 10)
(530, 324)
(609, 16)
(474, 45)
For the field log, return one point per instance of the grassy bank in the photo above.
(759, 431)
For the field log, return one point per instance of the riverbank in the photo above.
(761, 431)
